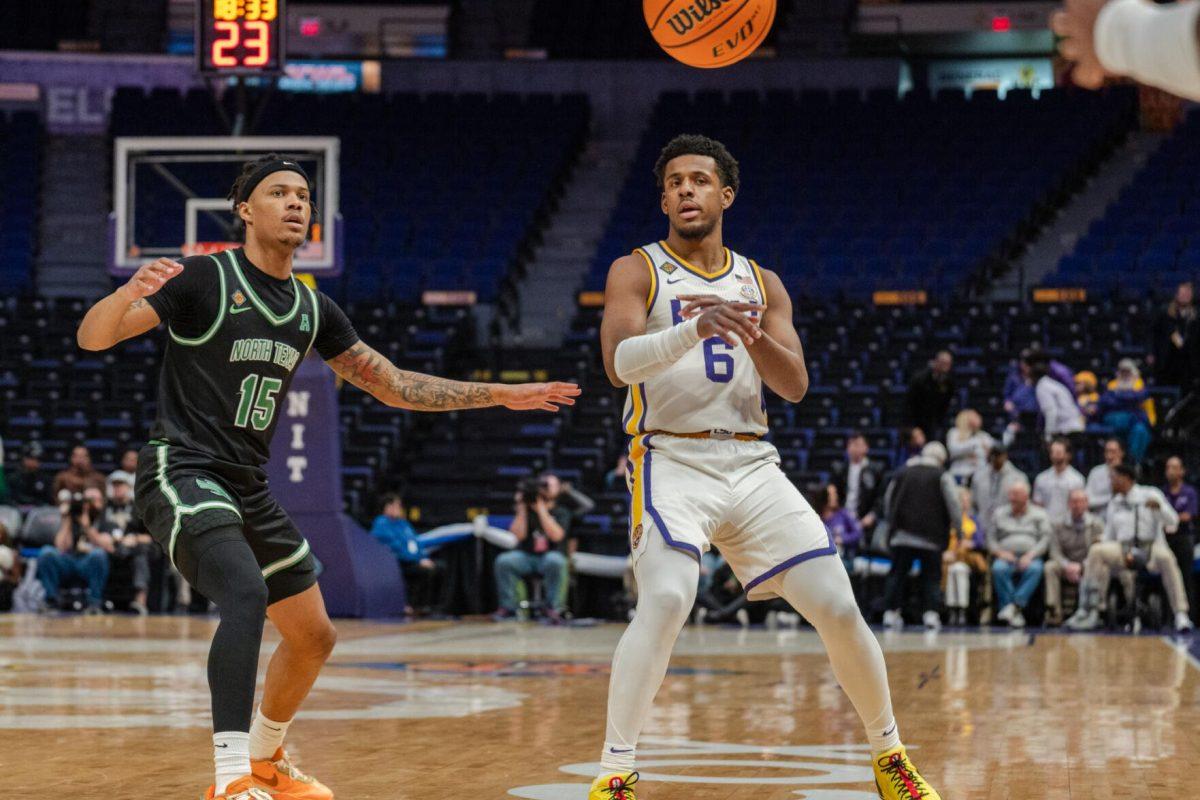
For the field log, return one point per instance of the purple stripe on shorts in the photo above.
(831, 550)
(691, 549)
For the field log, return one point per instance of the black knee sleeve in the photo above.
(229, 575)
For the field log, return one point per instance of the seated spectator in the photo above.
(966, 554)
(118, 511)
(11, 568)
(124, 545)
(28, 486)
(79, 475)
(968, 445)
(1052, 487)
(1172, 331)
(921, 506)
(420, 571)
(1086, 393)
(80, 551)
(126, 470)
(1068, 551)
(930, 391)
(1135, 538)
(723, 599)
(842, 526)
(1184, 499)
(1018, 540)
(859, 481)
(617, 477)
(1060, 413)
(912, 442)
(541, 526)
(1099, 480)
(990, 485)
(1127, 408)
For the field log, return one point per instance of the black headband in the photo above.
(278, 165)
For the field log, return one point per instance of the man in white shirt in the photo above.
(1139, 517)
(990, 485)
(1060, 411)
(1099, 480)
(1052, 488)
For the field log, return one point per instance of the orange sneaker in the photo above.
(241, 789)
(285, 782)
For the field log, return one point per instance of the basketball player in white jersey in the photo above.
(694, 331)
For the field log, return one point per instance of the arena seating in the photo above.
(1147, 239)
(438, 191)
(20, 154)
(846, 194)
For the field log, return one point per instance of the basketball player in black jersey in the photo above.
(238, 325)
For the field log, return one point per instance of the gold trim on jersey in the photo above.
(762, 284)
(683, 262)
(650, 298)
(637, 504)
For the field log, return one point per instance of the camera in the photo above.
(74, 502)
(530, 489)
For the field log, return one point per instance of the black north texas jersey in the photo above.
(235, 338)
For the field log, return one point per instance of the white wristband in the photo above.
(1155, 44)
(640, 358)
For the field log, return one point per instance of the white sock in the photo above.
(231, 756)
(883, 738)
(266, 736)
(618, 757)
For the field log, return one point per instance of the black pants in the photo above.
(1183, 545)
(423, 585)
(930, 578)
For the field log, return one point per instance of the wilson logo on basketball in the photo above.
(709, 33)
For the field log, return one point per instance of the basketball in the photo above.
(709, 33)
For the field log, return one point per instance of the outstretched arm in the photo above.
(368, 370)
(125, 313)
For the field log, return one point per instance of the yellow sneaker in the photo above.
(614, 786)
(897, 779)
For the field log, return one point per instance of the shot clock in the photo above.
(240, 37)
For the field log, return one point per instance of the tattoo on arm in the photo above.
(368, 370)
(139, 303)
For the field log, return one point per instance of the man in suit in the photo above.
(859, 482)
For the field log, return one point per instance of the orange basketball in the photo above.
(709, 33)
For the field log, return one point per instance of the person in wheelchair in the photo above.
(1139, 518)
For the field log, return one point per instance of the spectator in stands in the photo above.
(1060, 413)
(29, 486)
(3, 477)
(420, 571)
(1068, 551)
(119, 509)
(1128, 409)
(968, 444)
(1087, 393)
(990, 485)
(859, 482)
(723, 599)
(966, 554)
(1135, 537)
(912, 442)
(1052, 487)
(1172, 330)
(1020, 399)
(921, 507)
(126, 470)
(616, 477)
(79, 475)
(1018, 540)
(11, 568)
(80, 551)
(1099, 480)
(843, 528)
(929, 394)
(541, 526)
(1184, 499)
(123, 545)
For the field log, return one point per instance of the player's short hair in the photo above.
(248, 170)
(693, 144)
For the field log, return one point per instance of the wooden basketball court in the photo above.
(118, 707)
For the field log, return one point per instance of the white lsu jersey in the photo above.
(714, 387)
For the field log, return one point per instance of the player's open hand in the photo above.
(151, 277)
(724, 318)
(1076, 24)
(536, 396)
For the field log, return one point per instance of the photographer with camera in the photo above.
(80, 549)
(541, 526)
(1135, 537)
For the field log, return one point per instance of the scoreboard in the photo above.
(240, 37)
